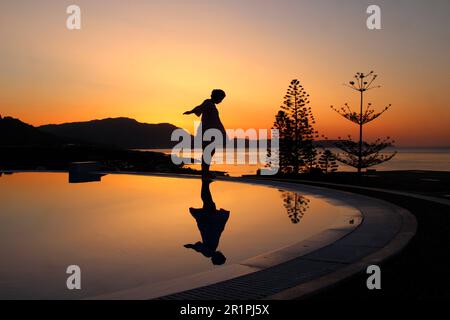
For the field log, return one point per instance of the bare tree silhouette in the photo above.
(362, 154)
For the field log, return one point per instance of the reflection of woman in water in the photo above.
(211, 223)
(210, 120)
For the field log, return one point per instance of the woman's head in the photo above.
(217, 95)
(217, 258)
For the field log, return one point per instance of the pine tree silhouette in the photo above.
(327, 162)
(296, 132)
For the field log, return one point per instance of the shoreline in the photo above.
(423, 182)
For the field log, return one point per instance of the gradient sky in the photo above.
(151, 60)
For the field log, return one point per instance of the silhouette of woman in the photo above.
(210, 120)
(211, 223)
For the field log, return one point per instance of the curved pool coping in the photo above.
(302, 268)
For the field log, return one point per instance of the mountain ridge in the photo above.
(123, 132)
(118, 132)
(13, 131)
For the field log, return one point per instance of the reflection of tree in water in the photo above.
(296, 205)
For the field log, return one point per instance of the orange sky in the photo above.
(152, 60)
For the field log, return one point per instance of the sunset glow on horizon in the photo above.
(153, 60)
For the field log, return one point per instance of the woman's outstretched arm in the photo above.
(198, 110)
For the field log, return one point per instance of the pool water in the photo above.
(130, 230)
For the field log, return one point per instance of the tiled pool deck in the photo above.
(303, 268)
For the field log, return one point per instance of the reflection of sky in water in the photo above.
(130, 230)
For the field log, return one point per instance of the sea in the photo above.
(435, 159)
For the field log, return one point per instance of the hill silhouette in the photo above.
(119, 132)
(14, 132)
(25, 147)
(124, 133)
